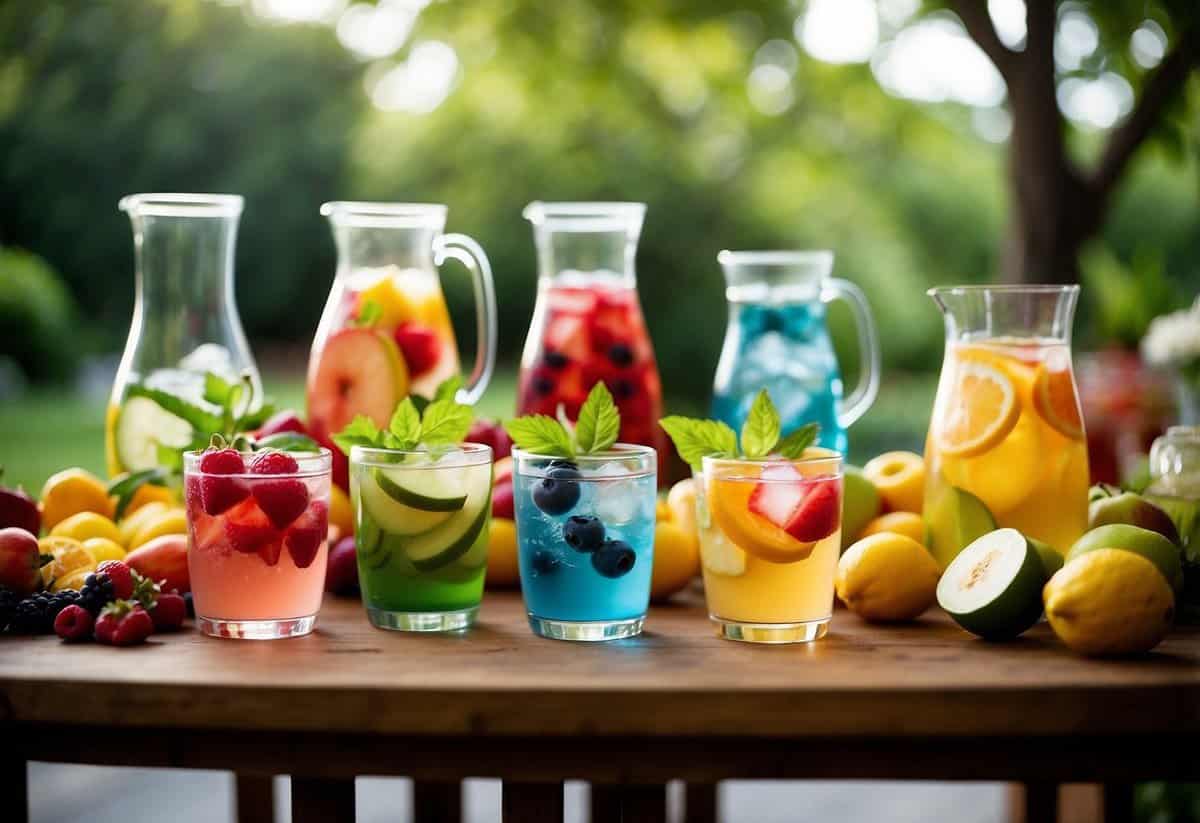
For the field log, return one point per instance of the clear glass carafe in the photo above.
(587, 323)
(1175, 483)
(777, 339)
(185, 322)
(386, 331)
(1006, 441)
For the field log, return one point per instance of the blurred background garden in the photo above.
(880, 130)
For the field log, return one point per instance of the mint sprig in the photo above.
(695, 438)
(444, 421)
(594, 431)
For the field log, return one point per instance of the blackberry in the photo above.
(36, 613)
(8, 606)
(27, 618)
(97, 592)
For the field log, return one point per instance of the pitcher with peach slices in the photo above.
(769, 515)
(1006, 444)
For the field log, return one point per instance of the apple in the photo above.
(502, 499)
(20, 561)
(341, 571)
(163, 560)
(20, 510)
(491, 433)
(282, 421)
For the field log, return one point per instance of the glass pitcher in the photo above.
(1006, 444)
(587, 323)
(777, 339)
(386, 332)
(185, 322)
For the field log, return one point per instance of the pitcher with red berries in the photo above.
(386, 332)
(587, 324)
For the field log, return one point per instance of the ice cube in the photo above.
(616, 501)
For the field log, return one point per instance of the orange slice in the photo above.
(729, 501)
(983, 409)
(1054, 399)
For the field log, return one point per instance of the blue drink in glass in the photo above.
(585, 541)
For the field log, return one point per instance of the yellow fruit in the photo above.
(984, 409)
(1005, 476)
(71, 580)
(171, 521)
(905, 523)
(662, 511)
(502, 567)
(729, 502)
(72, 491)
(103, 549)
(69, 555)
(887, 577)
(394, 307)
(341, 511)
(148, 493)
(130, 524)
(676, 560)
(900, 479)
(682, 502)
(1055, 400)
(1109, 602)
(86, 525)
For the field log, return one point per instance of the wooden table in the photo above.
(922, 701)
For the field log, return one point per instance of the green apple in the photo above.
(860, 503)
(1149, 544)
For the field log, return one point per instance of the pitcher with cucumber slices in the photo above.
(423, 503)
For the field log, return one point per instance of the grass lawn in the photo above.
(52, 429)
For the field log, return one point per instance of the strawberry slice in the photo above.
(303, 540)
(281, 500)
(778, 499)
(819, 513)
(247, 528)
(270, 552)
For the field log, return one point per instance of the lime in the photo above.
(993, 588)
(953, 520)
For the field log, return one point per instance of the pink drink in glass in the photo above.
(257, 545)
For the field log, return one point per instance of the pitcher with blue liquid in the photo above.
(777, 339)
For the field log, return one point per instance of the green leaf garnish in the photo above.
(124, 488)
(216, 389)
(695, 439)
(599, 421)
(794, 445)
(368, 314)
(539, 434)
(441, 422)
(760, 432)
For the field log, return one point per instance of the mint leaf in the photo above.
(216, 389)
(368, 314)
(695, 439)
(760, 432)
(361, 431)
(448, 388)
(445, 421)
(540, 434)
(599, 421)
(405, 425)
(793, 446)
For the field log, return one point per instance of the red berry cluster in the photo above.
(137, 609)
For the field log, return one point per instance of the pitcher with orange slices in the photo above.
(1006, 441)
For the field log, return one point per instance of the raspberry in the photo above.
(121, 577)
(74, 623)
(222, 461)
(168, 612)
(274, 462)
(420, 346)
(281, 500)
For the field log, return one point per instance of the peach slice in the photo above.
(729, 501)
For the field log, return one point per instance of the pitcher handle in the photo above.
(855, 404)
(462, 248)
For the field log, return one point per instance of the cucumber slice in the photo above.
(448, 542)
(141, 426)
(993, 588)
(426, 489)
(393, 516)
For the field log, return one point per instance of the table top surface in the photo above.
(678, 679)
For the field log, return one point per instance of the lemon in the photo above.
(676, 560)
(1005, 475)
(905, 523)
(85, 525)
(71, 580)
(104, 549)
(171, 521)
(502, 567)
(887, 577)
(72, 491)
(133, 521)
(1109, 602)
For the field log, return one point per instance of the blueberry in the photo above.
(620, 355)
(556, 360)
(557, 492)
(542, 385)
(545, 562)
(583, 534)
(614, 559)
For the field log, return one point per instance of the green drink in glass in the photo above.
(421, 527)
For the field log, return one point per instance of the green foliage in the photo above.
(37, 317)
